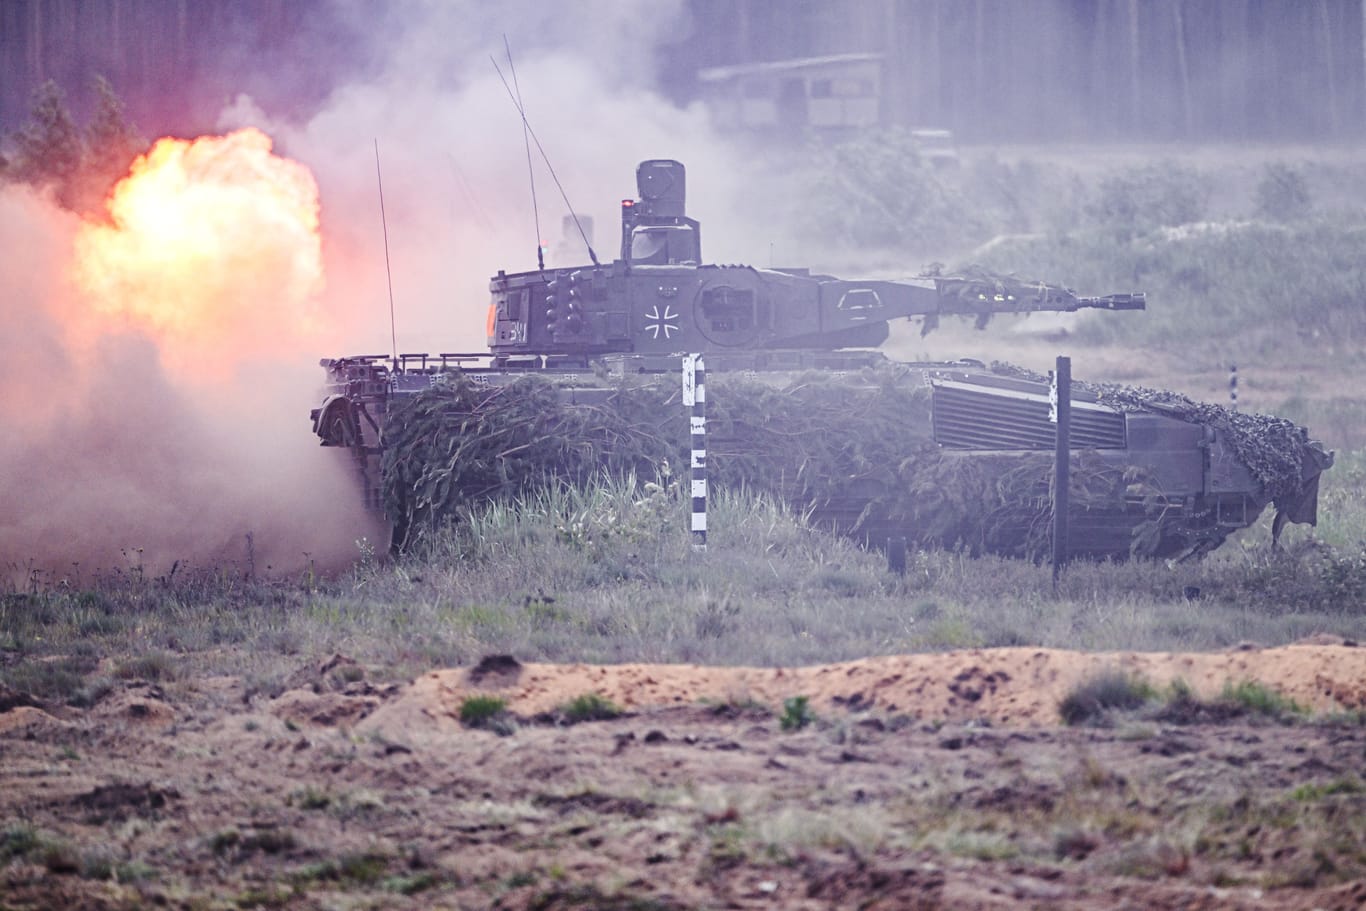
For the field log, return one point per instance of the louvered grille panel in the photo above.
(966, 419)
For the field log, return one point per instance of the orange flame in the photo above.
(212, 248)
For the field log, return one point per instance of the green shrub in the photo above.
(225, 841)
(1139, 199)
(1092, 700)
(1282, 193)
(796, 714)
(310, 798)
(589, 707)
(485, 712)
(716, 618)
(1312, 792)
(411, 884)
(1308, 575)
(269, 841)
(363, 867)
(1317, 791)
(876, 191)
(18, 840)
(1259, 699)
(60, 679)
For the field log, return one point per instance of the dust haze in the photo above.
(134, 445)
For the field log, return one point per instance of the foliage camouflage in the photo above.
(853, 451)
(463, 443)
(1274, 449)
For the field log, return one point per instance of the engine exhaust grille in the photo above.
(968, 417)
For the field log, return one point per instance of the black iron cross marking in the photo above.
(662, 322)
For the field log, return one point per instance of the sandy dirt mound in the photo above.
(1015, 686)
(925, 781)
(23, 717)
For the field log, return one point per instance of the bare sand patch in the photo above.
(1008, 686)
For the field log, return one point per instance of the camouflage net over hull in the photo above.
(853, 451)
(462, 443)
(1278, 452)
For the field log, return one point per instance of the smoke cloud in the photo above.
(114, 459)
(457, 194)
(160, 414)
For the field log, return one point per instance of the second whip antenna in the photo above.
(388, 272)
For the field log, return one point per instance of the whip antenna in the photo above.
(526, 126)
(388, 272)
(526, 139)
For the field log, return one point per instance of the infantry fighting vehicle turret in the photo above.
(1192, 471)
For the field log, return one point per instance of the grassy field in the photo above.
(608, 575)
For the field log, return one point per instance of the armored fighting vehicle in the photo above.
(1160, 475)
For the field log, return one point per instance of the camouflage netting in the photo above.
(1278, 452)
(463, 443)
(855, 451)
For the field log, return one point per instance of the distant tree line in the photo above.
(78, 164)
(175, 62)
(991, 70)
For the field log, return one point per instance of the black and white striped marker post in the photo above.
(695, 399)
(1233, 386)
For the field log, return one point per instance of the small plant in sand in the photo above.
(477, 710)
(1349, 786)
(411, 884)
(487, 713)
(18, 840)
(310, 798)
(589, 707)
(796, 714)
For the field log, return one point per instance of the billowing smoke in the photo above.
(213, 246)
(457, 193)
(157, 368)
(144, 389)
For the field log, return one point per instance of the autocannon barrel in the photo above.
(1136, 300)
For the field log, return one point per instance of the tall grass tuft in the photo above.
(1259, 699)
(1092, 701)
(589, 707)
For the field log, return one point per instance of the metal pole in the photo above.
(1233, 386)
(896, 555)
(1062, 414)
(695, 398)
